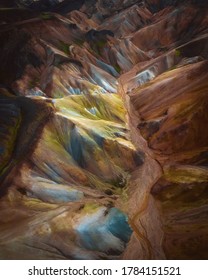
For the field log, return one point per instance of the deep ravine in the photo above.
(103, 140)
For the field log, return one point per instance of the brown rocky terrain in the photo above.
(103, 139)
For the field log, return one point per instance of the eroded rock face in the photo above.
(166, 100)
(103, 132)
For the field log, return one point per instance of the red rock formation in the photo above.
(74, 152)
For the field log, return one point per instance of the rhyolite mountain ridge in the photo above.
(103, 129)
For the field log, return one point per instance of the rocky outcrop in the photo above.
(165, 98)
(103, 132)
